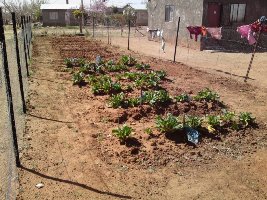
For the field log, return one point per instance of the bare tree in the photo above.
(31, 7)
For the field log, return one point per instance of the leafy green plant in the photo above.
(78, 78)
(122, 132)
(213, 122)
(142, 66)
(169, 124)
(229, 119)
(161, 74)
(116, 68)
(193, 122)
(68, 62)
(156, 97)
(182, 98)
(246, 118)
(104, 85)
(117, 100)
(149, 131)
(128, 60)
(207, 95)
(133, 102)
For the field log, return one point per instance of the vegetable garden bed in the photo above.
(149, 122)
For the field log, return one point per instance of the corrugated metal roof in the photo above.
(136, 4)
(59, 6)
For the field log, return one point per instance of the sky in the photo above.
(88, 1)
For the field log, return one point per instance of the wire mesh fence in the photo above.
(8, 170)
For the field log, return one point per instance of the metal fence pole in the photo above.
(129, 24)
(93, 26)
(108, 29)
(18, 61)
(8, 90)
(24, 45)
(26, 36)
(177, 34)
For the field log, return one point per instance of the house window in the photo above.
(169, 9)
(238, 12)
(53, 15)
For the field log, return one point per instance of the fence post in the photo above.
(26, 36)
(253, 55)
(129, 24)
(24, 45)
(108, 29)
(8, 90)
(177, 34)
(30, 21)
(18, 61)
(93, 26)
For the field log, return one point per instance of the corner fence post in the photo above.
(8, 90)
(177, 34)
(129, 24)
(24, 45)
(253, 55)
(18, 61)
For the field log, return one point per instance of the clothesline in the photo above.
(246, 31)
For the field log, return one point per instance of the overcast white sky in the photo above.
(88, 1)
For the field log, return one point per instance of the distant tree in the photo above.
(31, 7)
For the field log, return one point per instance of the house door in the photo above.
(214, 14)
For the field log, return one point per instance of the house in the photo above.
(210, 13)
(59, 14)
(139, 7)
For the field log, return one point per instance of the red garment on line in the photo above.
(194, 30)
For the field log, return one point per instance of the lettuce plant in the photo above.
(169, 124)
(122, 132)
(207, 95)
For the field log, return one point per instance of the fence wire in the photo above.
(8, 171)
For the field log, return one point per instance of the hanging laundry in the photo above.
(215, 33)
(197, 30)
(247, 32)
(194, 30)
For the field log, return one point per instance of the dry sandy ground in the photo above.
(228, 64)
(61, 153)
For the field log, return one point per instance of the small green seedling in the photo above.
(122, 132)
